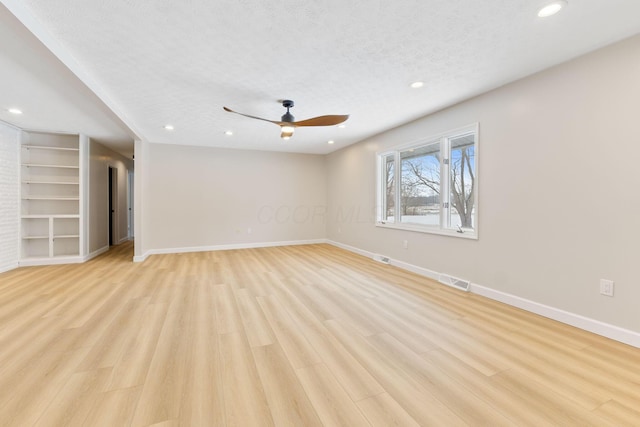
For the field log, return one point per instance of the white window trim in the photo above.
(381, 184)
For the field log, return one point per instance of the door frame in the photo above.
(112, 194)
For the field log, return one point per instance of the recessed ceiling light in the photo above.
(417, 85)
(551, 8)
(228, 133)
(342, 126)
(331, 142)
(169, 127)
(14, 111)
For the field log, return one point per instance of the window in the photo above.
(431, 185)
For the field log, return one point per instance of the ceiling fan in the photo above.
(287, 122)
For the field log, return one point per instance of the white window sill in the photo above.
(467, 234)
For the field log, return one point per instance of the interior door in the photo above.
(113, 206)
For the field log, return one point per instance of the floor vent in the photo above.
(454, 282)
(382, 259)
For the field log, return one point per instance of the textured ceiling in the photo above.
(166, 62)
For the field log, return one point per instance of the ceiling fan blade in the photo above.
(322, 121)
(251, 117)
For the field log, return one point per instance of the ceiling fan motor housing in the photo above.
(287, 117)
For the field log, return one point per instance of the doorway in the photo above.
(113, 206)
(130, 232)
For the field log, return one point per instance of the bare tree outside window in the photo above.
(420, 185)
(463, 180)
(432, 185)
(390, 184)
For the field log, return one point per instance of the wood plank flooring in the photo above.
(290, 336)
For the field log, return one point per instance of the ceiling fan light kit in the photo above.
(288, 124)
(286, 132)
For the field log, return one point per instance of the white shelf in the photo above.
(46, 147)
(51, 222)
(49, 198)
(51, 216)
(49, 260)
(33, 165)
(50, 182)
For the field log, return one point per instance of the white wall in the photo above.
(141, 149)
(9, 197)
(198, 197)
(100, 158)
(559, 161)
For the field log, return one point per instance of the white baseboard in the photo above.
(96, 253)
(415, 269)
(597, 327)
(51, 261)
(404, 265)
(59, 260)
(8, 266)
(351, 248)
(124, 239)
(141, 258)
(144, 256)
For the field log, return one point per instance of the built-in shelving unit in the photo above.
(51, 194)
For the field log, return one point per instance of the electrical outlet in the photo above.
(606, 287)
(248, 231)
(405, 244)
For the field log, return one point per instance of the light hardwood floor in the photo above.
(290, 336)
